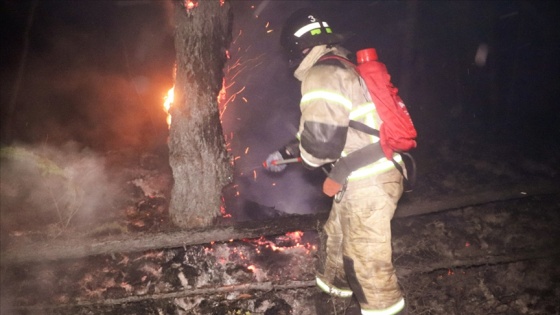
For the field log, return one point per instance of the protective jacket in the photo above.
(358, 258)
(332, 95)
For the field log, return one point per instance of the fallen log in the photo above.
(77, 248)
(543, 253)
(415, 204)
(265, 286)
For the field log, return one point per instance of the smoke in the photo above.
(264, 117)
(52, 188)
(48, 192)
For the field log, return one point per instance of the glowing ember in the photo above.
(224, 100)
(223, 93)
(168, 100)
(190, 4)
(292, 240)
(295, 236)
(223, 210)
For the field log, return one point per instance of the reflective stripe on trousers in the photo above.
(392, 310)
(359, 242)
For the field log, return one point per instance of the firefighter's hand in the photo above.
(271, 166)
(330, 187)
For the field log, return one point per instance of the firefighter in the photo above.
(358, 246)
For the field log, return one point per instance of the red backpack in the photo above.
(397, 132)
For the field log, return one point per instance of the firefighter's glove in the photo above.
(331, 187)
(270, 164)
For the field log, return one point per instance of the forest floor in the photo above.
(487, 256)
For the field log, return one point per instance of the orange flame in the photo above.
(168, 100)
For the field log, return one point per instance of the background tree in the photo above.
(197, 152)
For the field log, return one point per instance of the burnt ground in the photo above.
(493, 256)
(496, 258)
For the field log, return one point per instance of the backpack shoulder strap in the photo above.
(332, 57)
(411, 178)
(363, 128)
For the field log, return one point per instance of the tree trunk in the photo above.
(197, 150)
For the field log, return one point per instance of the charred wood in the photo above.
(265, 286)
(76, 248)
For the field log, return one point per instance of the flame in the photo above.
(168, 100)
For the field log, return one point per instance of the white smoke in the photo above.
(49, 189)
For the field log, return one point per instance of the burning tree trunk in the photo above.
(198, 155)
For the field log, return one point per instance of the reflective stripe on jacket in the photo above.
(332, 94)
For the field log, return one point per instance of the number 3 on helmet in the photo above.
(304, 29)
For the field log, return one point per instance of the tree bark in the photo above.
(197, 150)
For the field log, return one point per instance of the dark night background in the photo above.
(95, 73)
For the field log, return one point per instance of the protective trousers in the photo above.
(358, 246)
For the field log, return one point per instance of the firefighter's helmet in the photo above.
(305, 29)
